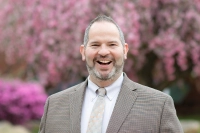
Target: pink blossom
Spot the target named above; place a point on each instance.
(21, 101)
(163, 37)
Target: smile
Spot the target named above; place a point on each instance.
(103, 62)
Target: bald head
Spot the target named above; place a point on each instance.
(103, 18)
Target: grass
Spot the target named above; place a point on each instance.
(189, 117)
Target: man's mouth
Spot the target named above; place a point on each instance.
(104, 62)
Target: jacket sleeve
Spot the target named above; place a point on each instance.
(169, 120)
(44, 117)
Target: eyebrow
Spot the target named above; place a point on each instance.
(94, 42)
(112, 42)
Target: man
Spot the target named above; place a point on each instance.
(120, 105)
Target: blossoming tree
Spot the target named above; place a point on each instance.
(163, 36)
(170, 37)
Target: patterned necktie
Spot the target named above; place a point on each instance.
(96, 117)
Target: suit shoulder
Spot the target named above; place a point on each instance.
(152, 96)
(66, 92)
(143, 90)
(151, 91)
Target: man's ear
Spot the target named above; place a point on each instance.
(82, 51)
(126, 48)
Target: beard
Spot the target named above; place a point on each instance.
(116, 70)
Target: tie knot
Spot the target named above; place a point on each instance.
(101, 92)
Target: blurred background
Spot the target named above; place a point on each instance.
(39, 53)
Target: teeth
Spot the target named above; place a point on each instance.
(104, 61)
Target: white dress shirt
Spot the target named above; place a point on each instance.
(112, 92)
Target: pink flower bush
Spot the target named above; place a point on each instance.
(21, 101)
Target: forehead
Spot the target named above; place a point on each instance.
(103, 29)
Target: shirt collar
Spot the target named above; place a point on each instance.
(111, 90)
(92, 87)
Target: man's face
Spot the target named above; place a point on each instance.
(104, 54)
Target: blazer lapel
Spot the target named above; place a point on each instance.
(76, 101)
(124, 103)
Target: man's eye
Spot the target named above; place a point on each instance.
(94, 45)
(112, 44)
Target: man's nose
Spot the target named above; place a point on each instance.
(103, 51)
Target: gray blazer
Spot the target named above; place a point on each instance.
(138, 109)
